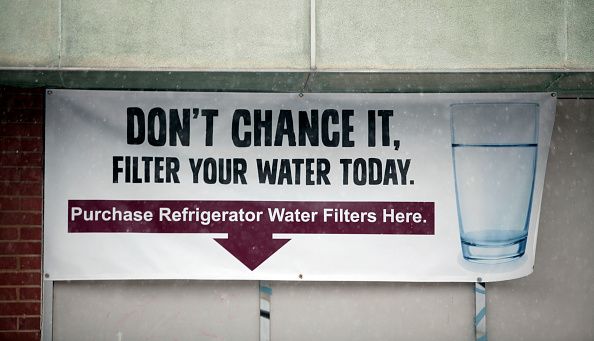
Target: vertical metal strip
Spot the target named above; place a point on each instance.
(265, 295)
(47, 310)
(480, 316)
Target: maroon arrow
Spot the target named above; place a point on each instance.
(251, 246)
(250, 224)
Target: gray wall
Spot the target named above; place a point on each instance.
(555, 303)
(275, 34)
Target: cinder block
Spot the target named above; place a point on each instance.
(580, 34)
(29, 33)
(440, 35)
(184, 34)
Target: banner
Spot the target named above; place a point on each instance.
(321, 187)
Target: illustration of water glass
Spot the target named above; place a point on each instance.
(494, 149)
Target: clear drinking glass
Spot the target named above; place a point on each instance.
(494, 149)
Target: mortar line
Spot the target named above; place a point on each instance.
(60, 35)
(565, 18)
(312, 34)
(60, 29)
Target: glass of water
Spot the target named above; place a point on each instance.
(494, 149)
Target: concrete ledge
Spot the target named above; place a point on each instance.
(564, 83)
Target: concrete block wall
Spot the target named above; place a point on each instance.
(408, 35)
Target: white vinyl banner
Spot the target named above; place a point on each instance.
(320, 187)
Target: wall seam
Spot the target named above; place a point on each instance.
(566, 22)
(312, 34)
(60, 35)
(60, 46)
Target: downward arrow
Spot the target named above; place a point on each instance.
(251, 247)
(253, 244)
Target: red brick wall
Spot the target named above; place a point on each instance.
(21, 183)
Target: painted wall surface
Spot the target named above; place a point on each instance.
(225, 34)
(554, 303)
